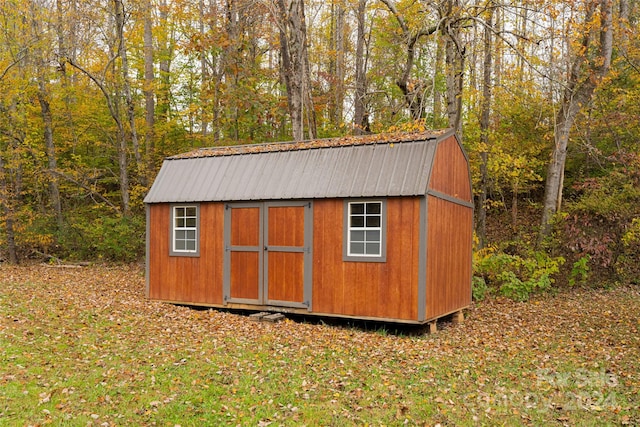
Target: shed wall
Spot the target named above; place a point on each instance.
(450, 173)
(387, 290)
(449, 245)
(196, 280)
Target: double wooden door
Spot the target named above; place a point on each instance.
(268, 254)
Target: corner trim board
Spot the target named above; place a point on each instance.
(422, 261)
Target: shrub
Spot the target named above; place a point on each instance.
(514, 276)
(110, 238)
(479, 288)
(580, 271)
(602, 223)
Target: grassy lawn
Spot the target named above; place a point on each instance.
(81, 346)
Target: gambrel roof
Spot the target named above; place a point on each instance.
(370, 166)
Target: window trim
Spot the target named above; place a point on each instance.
(346, 235)
(172, 230)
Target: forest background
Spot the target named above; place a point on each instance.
(545, 95)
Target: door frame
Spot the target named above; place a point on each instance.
(263, 249)
(228, 248)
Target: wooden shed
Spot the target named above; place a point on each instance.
(376, 227)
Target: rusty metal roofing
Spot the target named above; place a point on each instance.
(396, 165)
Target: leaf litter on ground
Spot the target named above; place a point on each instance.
(83, 346)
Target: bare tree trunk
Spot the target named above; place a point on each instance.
(498, 45)
(312, 128)
(123, 163)
(454, 60)
(66, 49)
(580, 87)
(47, 121)
(295, 71)
(336, 63)
(455, 78)
(164, 67)
(523, 16)
(40, 64)
(149, 95)
(437, 95)
(121, 140)
(204, 73)
(126, 86)
(360, 121)
(340, 64)
(485, 110)
(413, 91)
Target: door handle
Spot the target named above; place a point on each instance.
(266, 248)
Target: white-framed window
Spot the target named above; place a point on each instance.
(185, 231)
(365, 227)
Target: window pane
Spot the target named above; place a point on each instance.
(373, 221)
(185, 229)
(357, 236)
(373, 236)
(357, 221)
(374, 208)
(357, 248)
(365, 229)
(357, 208)
(373, 249)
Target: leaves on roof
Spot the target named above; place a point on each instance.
(385, 138)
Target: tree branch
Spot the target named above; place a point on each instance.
(21, 56)
(85, 187)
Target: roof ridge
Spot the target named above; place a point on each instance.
(350, 140)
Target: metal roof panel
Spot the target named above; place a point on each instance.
(368, 170)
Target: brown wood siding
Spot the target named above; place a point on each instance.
(286, 276)
(186, 279)
(285, 258)
(386, 290)
(245, 226)
(449, 240)
(245, 275)
(286, 226)
(450, 174)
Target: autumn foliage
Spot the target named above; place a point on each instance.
(94, 95)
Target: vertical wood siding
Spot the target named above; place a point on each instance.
(245, 226)
(285, 258)
(245, 275)
(449, 239)
(376, 289)
(186, 279)
(286, 226)
(286, 276)
(450, 173)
